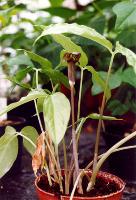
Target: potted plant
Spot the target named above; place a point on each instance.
(71, 182)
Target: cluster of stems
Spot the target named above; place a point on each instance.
(53, 171)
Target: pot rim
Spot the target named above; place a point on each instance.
(120, 183)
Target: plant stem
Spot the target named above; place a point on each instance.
(90, 164)
(71, 59)
(105, 156)
(125, 148)
(37, 113)
(59, 169)
(48, 175)
(38, 116)
(75, 154)
(51, 161)
(101, 113)
(26, 138)
(80, 93)
(52, 157)
(36, 78)
(74, 132)
(66, 168)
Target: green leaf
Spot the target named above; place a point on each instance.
(97, 116)
(130, 55)
(21, 74)
(32, 134)
(20, 60)
(117, 107)
(70, 46)
(127, 37)
(8, 150)
(59, 77)
(97, 80)
(5, 16)
(56, 76)
(31, 96)
(94, 116)
(126, 14)
(39, 59)
(40, 104)
(114, 82)
(9, 132)
(56, 3)
(56, 111)
(129, 76)
(16, 82)
(76, 29)
(98, 23)
(61, 12)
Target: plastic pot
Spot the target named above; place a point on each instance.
(43, 195)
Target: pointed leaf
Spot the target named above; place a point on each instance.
(70, 46)
(8, 150)
(56, 76)
(39, 59)
(21, 74)
(32, 134)
(31, 96)
(117, 107)
(96, 78)
(76, 29)
(130, 55)
(126, 14)
(97, 116)
(115, 81)
(128, 76)
(56, 111)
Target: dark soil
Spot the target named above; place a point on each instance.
(102, 187)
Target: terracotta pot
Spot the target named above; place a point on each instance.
(43, 195)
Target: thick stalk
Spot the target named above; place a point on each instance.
(74, 133)
(66, 168)
(71, 59)
(101, 113)
(80, 93)
(105, 156)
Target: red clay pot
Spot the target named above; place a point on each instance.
(43, 195)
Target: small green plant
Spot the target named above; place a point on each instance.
(56, 110)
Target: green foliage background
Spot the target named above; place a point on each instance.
(21, 24)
